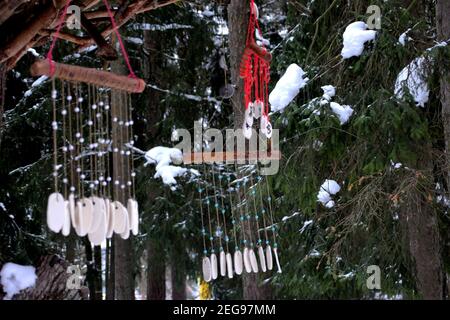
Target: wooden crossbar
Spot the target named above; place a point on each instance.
(88, 75)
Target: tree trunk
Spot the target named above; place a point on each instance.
(98, 273)
(238, 15)
(156, 270)
(110, 284)
(2, 97)
(51, 282)
(123, 249)
(178, 273)
(419, 219)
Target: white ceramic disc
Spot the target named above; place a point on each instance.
(238, 264)
(253, 260)
(110, 224)
(269, 257)
(78, 225)
(262, 259)
(56, 207)
(72, 210)
(87, 212)
(257, 109)
(206, 268)
(98, 212)
(263, 124)
(120, 219)
(229, 265)
(223, 264)
(66, 226)
(97, 236)
(133, 215)
(126, 233)
(214, 273)
(275, 252)
(247, 264)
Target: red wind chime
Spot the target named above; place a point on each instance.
(255, 70)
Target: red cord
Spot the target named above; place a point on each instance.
(55, 37)
(114, 25)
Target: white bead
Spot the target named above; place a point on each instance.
(72, 189)
(101, 103)
(71, 148)
(122, 186)
(116, 182)
(120, 123)
(54, 94)
(107, 107)
(91, 186)
(94, 106)
(78, 135)
(133, 174)
(129, 183)
(76, 109)
(83, 176)
(90, 123)
(115, 119)
(116, 150)
(104, 183)
(132, 142)
(98, 115)
(101, 178)
(55, 174)
(65, 181)
(131, 122)
(96, 182)
(80, 99)
(55, 125)
(128, 153)
(69, 98)
(64, 149)
(78, 169)
(64, 112)
(81, 140)
(122, 152)
(108, 179)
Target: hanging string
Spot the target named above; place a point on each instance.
(64, 138)
(211, 237)
(205, 251)
(216, 206)
(247, 214)
(241, 216)
(70, 142)
(263, 212)
(227, 239)
(55, 138)
(253, 191)
(233, 217)
(269, 200)
(131, 142)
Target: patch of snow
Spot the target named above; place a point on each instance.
(327, 189)
(328, 92)
(355, 36)
(162, 157)
(33, 52)
(305, 225)
(413, 78)
(15, 277)
(404, 38)
(343, 112)
(288, 87)
(135, 40)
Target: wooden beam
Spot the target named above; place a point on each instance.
(231, 157)
(104, 51)
(8, 7)
(30, 30)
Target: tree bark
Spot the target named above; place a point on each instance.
(98, 273)
(51, 282)
(156, 270)
(238, 15)
(178, 266)
(123, 249)
(110, 284)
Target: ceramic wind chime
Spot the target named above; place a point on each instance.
(92, 127)
(238, 229)
(255, 71)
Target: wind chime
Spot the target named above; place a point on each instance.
(238, 229)
(233, 244)
(92, 127)
(255, 71)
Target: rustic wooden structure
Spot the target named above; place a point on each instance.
(25, 24)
